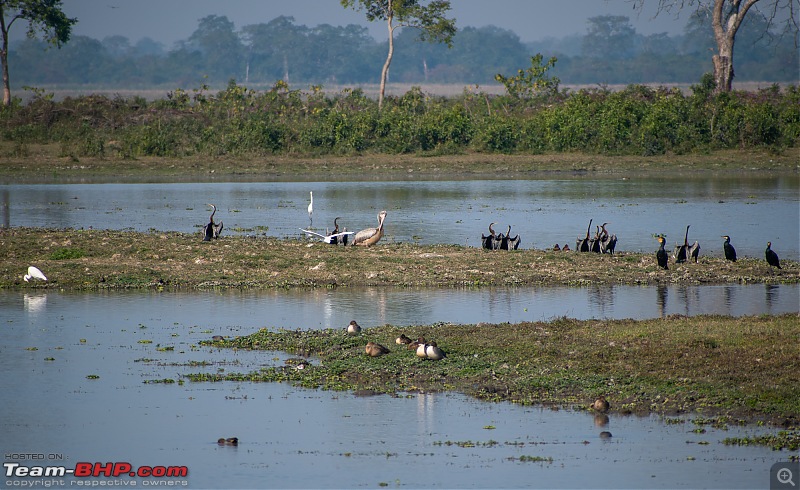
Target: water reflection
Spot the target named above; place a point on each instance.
(318, 308)
(54, 342)
(543, 212)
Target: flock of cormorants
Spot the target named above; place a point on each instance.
(602, 241)
(684, 252)
(501, 241)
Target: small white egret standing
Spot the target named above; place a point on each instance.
(311, 209)
(34, 273)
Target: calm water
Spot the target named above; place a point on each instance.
(296, 438)
(317, 309)
(543, 212)
(55, 342)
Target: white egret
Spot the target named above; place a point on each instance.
(311, 209)
(34, 273)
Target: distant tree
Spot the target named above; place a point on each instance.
(117, 46)
(274, 47)
(43, 16)
(148, 47)
(220, 46)
(531, 81)
(429, 19)
(726, 19)
(609, 37)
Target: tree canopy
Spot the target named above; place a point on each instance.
(44, 17)
(429, 19)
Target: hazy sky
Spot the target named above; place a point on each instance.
(167, 21)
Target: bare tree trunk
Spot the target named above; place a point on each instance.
(725, 34)
(6, 81)
(4, 63)
(385, 71)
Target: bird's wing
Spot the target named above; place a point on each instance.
(337, 235)
(365, 235)
(313, 233)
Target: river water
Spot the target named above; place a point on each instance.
(78, 367)
(751, 210)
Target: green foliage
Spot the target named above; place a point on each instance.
(638, 120)
(531, 81)
(43, 17)
(67, 253)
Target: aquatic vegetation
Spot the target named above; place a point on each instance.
(785, 439)
(662, 366)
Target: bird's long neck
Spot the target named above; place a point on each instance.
(588, 229)
(381, 218)
(686, 237)
(211, 218)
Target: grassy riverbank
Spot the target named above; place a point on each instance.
(108, 259)
(46, 163)
(731, 369)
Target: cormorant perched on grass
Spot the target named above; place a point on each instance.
(730, 252)
(772, 257)
(661, 255)
(582, 244)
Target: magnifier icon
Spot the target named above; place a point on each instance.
(785, 476)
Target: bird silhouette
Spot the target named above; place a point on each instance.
(772, 257)
(730, 252)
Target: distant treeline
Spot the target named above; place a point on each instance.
(611, 52)
(242, 122)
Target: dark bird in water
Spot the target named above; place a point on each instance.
(730, 252)
(685, 252)
(212, 230)
(509, 243)
(565, 248)
(772, 257)
(488, 242)
(661, 254)
(370, 236)
(582, 244)
(607, 242)
(556, 248)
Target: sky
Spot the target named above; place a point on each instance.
(168, 21)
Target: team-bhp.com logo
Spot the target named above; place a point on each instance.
(98, 470)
